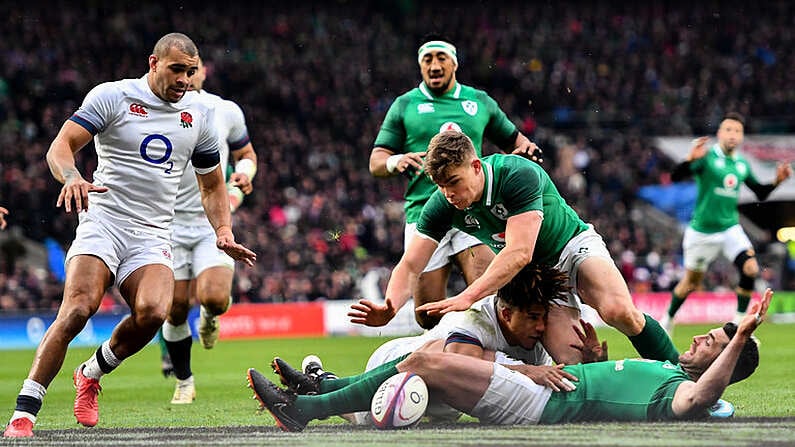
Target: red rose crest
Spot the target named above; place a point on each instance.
(186, 120)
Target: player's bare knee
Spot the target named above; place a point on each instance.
(74, 319)
(150, 316)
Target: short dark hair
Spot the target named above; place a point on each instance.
(179, 41)
(749, 356)
(447, 150)
(535, 284)
(433, 36)
(735, 116)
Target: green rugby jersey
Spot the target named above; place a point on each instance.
(513, 185)
(617, 390)
(417, 115)
(718, 178)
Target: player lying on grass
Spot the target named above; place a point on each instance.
(509, 325)
(623, 390)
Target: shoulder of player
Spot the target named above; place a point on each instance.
(469, 92)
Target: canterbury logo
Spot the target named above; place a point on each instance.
(138, 109)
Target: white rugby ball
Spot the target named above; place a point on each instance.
(400, 402)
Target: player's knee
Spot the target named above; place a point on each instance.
(74, 319)
(150, 316)
(622, 316)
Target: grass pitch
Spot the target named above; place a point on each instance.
(135, 408)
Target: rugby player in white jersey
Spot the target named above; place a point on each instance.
(505, 328)
(200, 268)
(145, 131)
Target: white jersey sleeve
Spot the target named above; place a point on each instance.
(143, 146)
(230, 124)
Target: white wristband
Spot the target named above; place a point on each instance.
(246, 166)
(392, 162)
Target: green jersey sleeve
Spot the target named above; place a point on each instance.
(522, 189)
(392, 134)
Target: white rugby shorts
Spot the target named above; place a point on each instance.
(511, 399)
(123, 246)
(195, 249)
(700, 249)
(454, 242)
(581, 247)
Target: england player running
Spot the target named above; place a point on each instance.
(619, 390)
(200, 268)
(512, 205)
(145, 131)
(715, 228)
(439, 103)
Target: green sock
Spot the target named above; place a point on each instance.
(676, 303)
(329, 385)
(356, 396)
(742, 303)
(162, 342)
(653, 343)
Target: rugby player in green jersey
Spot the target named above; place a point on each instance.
(510, 204)
(715, 227)
(440, 103)
(619, 390)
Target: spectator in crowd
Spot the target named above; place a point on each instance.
(605, 76)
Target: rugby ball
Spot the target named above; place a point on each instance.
(399, 402)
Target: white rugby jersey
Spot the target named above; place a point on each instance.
(143, 146)
(481, 323)
(230, 123)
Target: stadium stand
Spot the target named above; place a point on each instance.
(590, 82)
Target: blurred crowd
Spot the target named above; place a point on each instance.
(590, 82)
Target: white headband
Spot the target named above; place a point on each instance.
(437, 45)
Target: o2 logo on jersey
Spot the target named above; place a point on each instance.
(147, 151)
(449, 126)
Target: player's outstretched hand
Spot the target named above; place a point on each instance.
(783, 172)
(553, 377)
(3, 213)
(373, 314)
(592, 350)
(76, 190)
(241, 181)
(238, 252)
(699, 148)
(756, 314)
(442, 307)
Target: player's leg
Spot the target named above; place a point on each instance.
(178, 339)
(214, 291)
(738, 248)
(559, 339)
(431, 287)
(214, 271)
(699, 250)
(690, 282)
(599, 283)
(149, 291)
(87, 277)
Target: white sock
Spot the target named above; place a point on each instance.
(176, 333)
(91, 367)
(33, 389)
